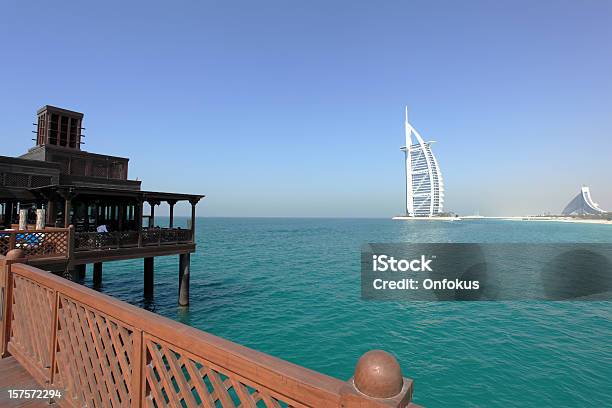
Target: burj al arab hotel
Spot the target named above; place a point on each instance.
(424, 185)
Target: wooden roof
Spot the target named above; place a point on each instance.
(158, 196)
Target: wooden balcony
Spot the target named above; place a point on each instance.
(102, 352)
(57, 245)
(91, 247)
(65, 251)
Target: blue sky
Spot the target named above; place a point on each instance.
(286, 108)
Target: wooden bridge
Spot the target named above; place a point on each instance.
(102, 352)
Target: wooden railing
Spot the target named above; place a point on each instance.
(102, 352)
(45, 243)
(86, 241)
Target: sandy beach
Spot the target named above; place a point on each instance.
(560, 219)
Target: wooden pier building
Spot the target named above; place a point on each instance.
(68, 207)
(100, 352)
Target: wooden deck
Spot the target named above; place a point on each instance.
(104, 353)
(15, 377)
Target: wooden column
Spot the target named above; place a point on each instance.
(113, 216)
(71, 237)
(152, 219)
(97, 274)
(67, 207)
(51, 213)
(138, 217)
(12, 212)
(8, 208)
(6, 284)
(82, 270)
(121, 216)
(193, 219)
(184, 266)
(7, 298)
(96, 206)
(171, 204)
(148, 277)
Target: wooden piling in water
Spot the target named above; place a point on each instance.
(81, 271)
(184, 266)
(97, 274)
(148, 277)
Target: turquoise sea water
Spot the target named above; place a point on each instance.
(291, 288)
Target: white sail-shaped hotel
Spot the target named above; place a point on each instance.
(424, 184)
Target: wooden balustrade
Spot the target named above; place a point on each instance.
(102, 352)
(85, 241)
(44, 243)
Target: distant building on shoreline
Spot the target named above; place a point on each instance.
(424, 184)
(582, 204)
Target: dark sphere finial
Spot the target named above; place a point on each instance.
(378, 375)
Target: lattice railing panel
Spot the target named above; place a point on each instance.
(32, 320)
(121, 239)
(94, 356)
(95, 240)
(42, 244)
(176, 379)
(150, 236)
(5, 242)
(127, 238)
(171, 235)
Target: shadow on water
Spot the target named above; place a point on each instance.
(577, 273)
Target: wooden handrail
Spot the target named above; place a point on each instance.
(46, 229)
(159, 352)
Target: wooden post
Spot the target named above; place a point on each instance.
(113, 216)
(6, 310)
(5, 304)
(6, 216)
(148, 277)
(121, 216)
(97, 274)
(152, 219)
(12, 240)
(70, 242)
(139, 222)
(82, 270)
(13, 256)
(193, 219)
(51, 212)
(13, 212)
(67, 207)
(184, 266)
(171, 204)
